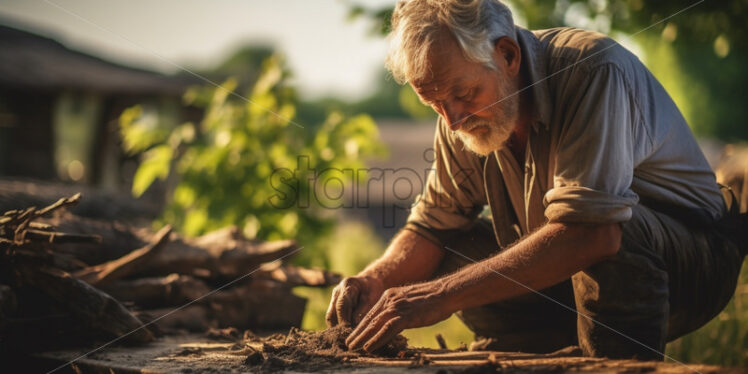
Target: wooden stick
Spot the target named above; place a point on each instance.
(125, 265)
(440, 340)
(64, 202)
(61, 237)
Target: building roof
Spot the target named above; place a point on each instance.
(31, 61)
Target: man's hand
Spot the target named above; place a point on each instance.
(409, 258)
(352, 299)
(400, 308)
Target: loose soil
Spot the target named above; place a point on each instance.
(313, 350)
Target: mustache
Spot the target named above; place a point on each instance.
(472, 123)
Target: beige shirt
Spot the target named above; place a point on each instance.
(605, 136)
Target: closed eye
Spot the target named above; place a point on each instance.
(465, 96)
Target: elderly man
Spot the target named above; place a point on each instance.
(607, 228)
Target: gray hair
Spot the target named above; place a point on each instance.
(475, 24)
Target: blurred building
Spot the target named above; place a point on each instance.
(385, 198)
(59, 110)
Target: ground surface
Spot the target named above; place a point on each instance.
(305, 352)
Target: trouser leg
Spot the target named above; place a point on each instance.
(667, 279)
(527, 323)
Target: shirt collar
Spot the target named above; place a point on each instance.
(534, 62)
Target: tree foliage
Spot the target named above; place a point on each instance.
(247, 162)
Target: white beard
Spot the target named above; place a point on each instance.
(504, 118)
(484, 144)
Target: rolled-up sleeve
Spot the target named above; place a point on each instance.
(454, 193)
(595, 159)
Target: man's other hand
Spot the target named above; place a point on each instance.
(352, 299)
(398, 309)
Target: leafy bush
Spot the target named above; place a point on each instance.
(248, 163)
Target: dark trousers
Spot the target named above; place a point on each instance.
(667, 279)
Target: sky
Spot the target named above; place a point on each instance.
(328, 54)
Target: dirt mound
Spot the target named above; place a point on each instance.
(313, 350)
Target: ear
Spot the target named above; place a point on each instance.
(506, 54)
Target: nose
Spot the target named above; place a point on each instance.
(454, 116)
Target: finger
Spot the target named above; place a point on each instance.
(387, 333)
(357, 341)
(384, 322)
(365, 323)
(344, 304)
(331, 316)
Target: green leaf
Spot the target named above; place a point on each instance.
(140, 130)
(156, 164)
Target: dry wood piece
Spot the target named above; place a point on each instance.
(124, 266)
(156, 292)
(22, 220)
(60, 237)
(18, 226)
(94, 307)
(298, 276)
(46, 257)
(259, 304)
(117, 239)
(220, 254)
(440, 341)
(63, 202)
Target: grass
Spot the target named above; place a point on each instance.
(723, 341)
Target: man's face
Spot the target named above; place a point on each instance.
(480, 104)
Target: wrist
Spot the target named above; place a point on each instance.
(453, 292)
(377, 275)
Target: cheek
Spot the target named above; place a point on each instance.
(484, 105)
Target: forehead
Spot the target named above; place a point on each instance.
(447, 68)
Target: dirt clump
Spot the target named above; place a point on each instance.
(313, 350)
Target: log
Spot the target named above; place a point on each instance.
(256, 305)
(94, 307)
(124, 266)
(259, 304)
(157, 292)
(18, 194)
(219, 255)
(298, 276)
(42, 256)
(117, 239)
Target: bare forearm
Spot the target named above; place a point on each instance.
(548, 256)
(409, 258)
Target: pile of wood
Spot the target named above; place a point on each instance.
(67, 280)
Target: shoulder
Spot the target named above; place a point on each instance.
(586, 49)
